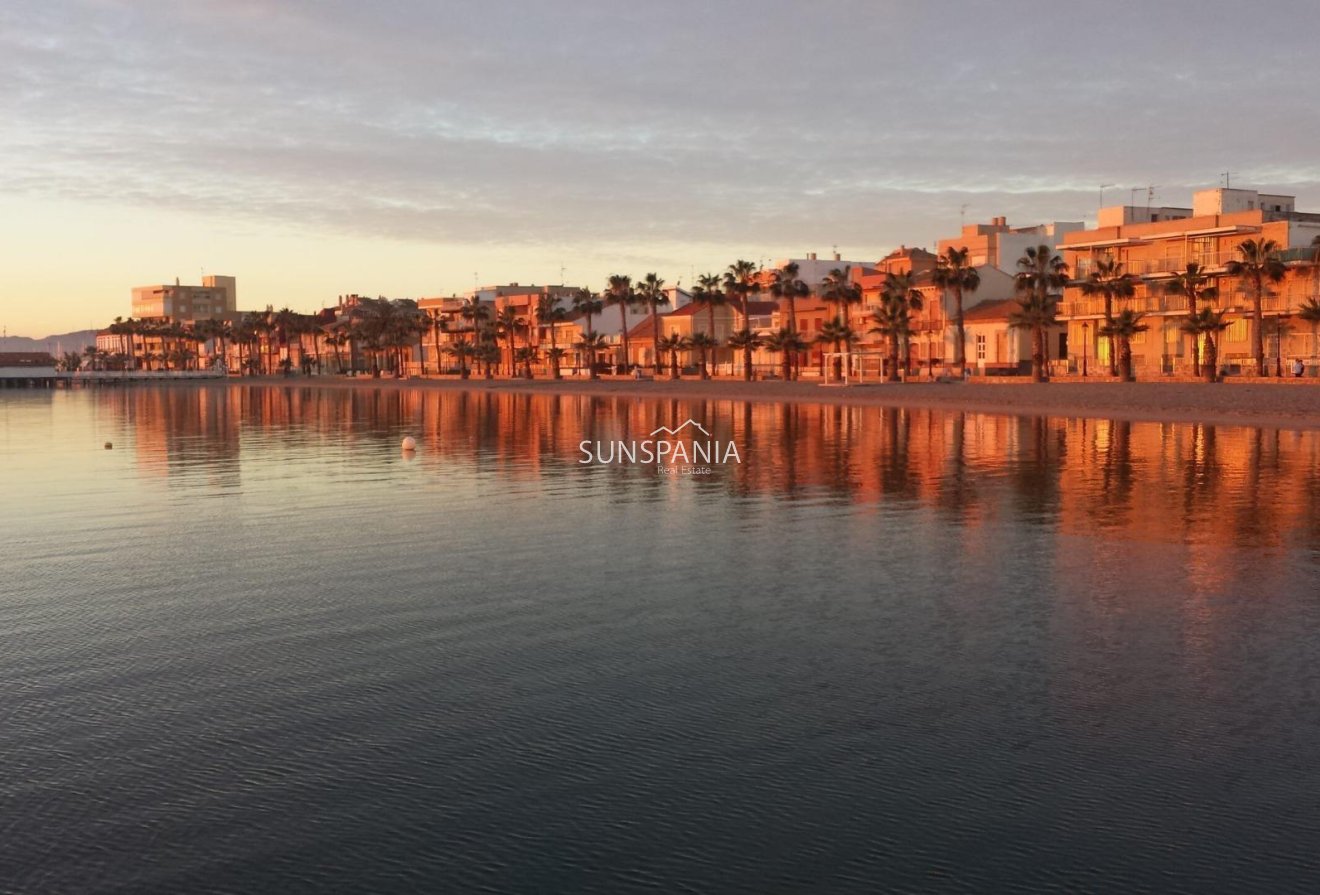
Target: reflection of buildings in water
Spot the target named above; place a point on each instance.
(1158, 482)
(176, 430)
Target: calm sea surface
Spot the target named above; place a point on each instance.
(254, 648)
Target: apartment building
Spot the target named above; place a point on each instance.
(1155, 245)
(215, 299)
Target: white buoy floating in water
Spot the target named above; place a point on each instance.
(409, 444)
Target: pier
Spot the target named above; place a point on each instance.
(49, 377)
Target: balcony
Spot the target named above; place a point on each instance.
(1209, 261)
(1237, 300)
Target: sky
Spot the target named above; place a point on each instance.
(313, 148)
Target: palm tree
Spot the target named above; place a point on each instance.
(1310, 312)
(463, 352)
(740, 284)
(787, 287)
(591, 343)
(891, 320)
(900, 290)
(506, 325)
(1122, 328)
(588, 304)
(336, 337)
(788, 344)
(619, 291)
(709, 295)
(550, 313)
(439, 324)
(525, 355)
(839, 289)
(554, 356)
(1108, 280)
(651, 295)
(1037, 313)
(1259, 262)
(1204, 324)
(746, 341)
(1040, 278)
(954, 273)
(704, 344)
(837, 333)
(476, 314)
(674, 343)
(1197, 286)
(488, 354)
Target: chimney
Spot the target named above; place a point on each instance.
(811, 256)
(838, 257)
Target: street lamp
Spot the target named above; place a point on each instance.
(1086, 344)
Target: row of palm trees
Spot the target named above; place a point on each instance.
(377, 333)
(1257, 266)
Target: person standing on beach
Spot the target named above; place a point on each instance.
(1298, 367)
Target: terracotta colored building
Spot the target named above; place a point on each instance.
(1155, 245)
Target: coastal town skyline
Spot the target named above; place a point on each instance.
(483, 152)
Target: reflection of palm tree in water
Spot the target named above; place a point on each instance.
(1115, 497)
(1037, 479)
(894, 478)
(1199, 477)
(956, 490)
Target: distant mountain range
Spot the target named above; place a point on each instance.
(74, 341)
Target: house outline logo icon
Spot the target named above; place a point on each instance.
(678, 429)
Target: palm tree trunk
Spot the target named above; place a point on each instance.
(655, 337)
(623, 334)
(1109, 318)
(1196, 339)
(1037, 354)
(747, 362)
(1211, 358)
(1258, 328)
(960, 348)
(892, 372)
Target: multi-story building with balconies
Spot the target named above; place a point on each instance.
(1155, 245)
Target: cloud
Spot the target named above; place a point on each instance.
(620, 127)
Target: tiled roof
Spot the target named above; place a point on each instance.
(990, 311)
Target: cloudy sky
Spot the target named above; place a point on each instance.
(316, 147)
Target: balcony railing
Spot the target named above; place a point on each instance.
(1210, 261)
(1228, 299)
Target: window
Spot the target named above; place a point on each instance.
(1237, 331)
(980, 347)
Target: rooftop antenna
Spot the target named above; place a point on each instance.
(1228, 179)
(1132, 196)
(1150, 195)
(561, 273)
(962, 215)
(1103, 187)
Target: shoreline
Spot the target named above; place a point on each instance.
(1273, 406)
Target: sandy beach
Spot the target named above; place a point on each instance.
(1282, 404)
